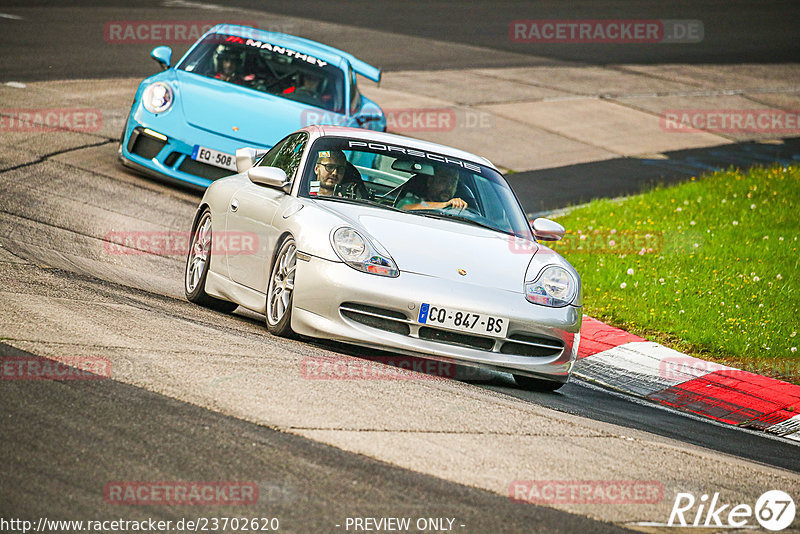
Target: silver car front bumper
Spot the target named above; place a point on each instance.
(334, 301)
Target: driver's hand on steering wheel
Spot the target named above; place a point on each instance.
(455, 203)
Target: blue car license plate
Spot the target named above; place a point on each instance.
(214, 157)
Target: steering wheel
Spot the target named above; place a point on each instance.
(276, 81)
(470, 213)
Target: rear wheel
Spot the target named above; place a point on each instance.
(198, 262)
(537, 384)
(281, 289)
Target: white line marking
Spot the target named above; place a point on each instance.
(787, 428)
(653, 524)
(191, 5)
(8, 16)
(18, 85)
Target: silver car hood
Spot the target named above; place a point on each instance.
(439, 248)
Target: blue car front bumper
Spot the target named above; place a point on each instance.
(162, 145)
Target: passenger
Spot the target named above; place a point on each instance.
(309, 86)
(436, 193)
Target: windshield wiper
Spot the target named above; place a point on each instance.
(458, 218)
(342, 199)
(362, 201)
(424, 213)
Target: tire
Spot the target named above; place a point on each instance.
(122, 135)
(122, 141)
(537, 384)
(198, 261)
(280, 291)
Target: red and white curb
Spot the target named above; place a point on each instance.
(625, 362)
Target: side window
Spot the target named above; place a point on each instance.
(355, 95)
(290, 153)
(270, 156)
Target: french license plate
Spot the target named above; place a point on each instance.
(214, 157)
(452, 319)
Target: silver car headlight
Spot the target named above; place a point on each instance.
(361, 254)
(157, 97)
(554, 287)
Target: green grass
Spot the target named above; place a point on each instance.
(708, 267)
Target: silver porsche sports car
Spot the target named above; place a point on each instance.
(388, 242)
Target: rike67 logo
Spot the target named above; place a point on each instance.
(774, 510)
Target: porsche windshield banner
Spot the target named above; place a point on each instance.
(276, 49)
(416, 153)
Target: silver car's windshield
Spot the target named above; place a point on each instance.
(421, 183)
(268, 68)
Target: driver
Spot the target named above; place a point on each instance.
(329, 170)
(438, 192)
(229, 65)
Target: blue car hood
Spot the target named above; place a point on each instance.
(249, 117)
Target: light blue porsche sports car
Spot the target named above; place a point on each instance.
(239, 87)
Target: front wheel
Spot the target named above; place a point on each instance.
(537, 384)
(122, 137)
(281, 289)
(198, 262)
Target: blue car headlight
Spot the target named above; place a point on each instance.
(158, 97)
(554, 287)
(361, 254)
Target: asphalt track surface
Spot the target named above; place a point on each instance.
(90, 432)
(738, 31)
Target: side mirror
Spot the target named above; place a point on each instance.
(246, 158)
(269, 176)
(366, 119)
(162, 54)
(547, 230)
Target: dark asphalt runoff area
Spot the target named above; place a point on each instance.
(738, 31)
(558, 187)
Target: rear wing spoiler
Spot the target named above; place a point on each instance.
(364, 69)
(361, 67)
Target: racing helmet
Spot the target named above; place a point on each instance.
(224, 53)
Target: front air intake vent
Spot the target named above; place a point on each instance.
(375, 317)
